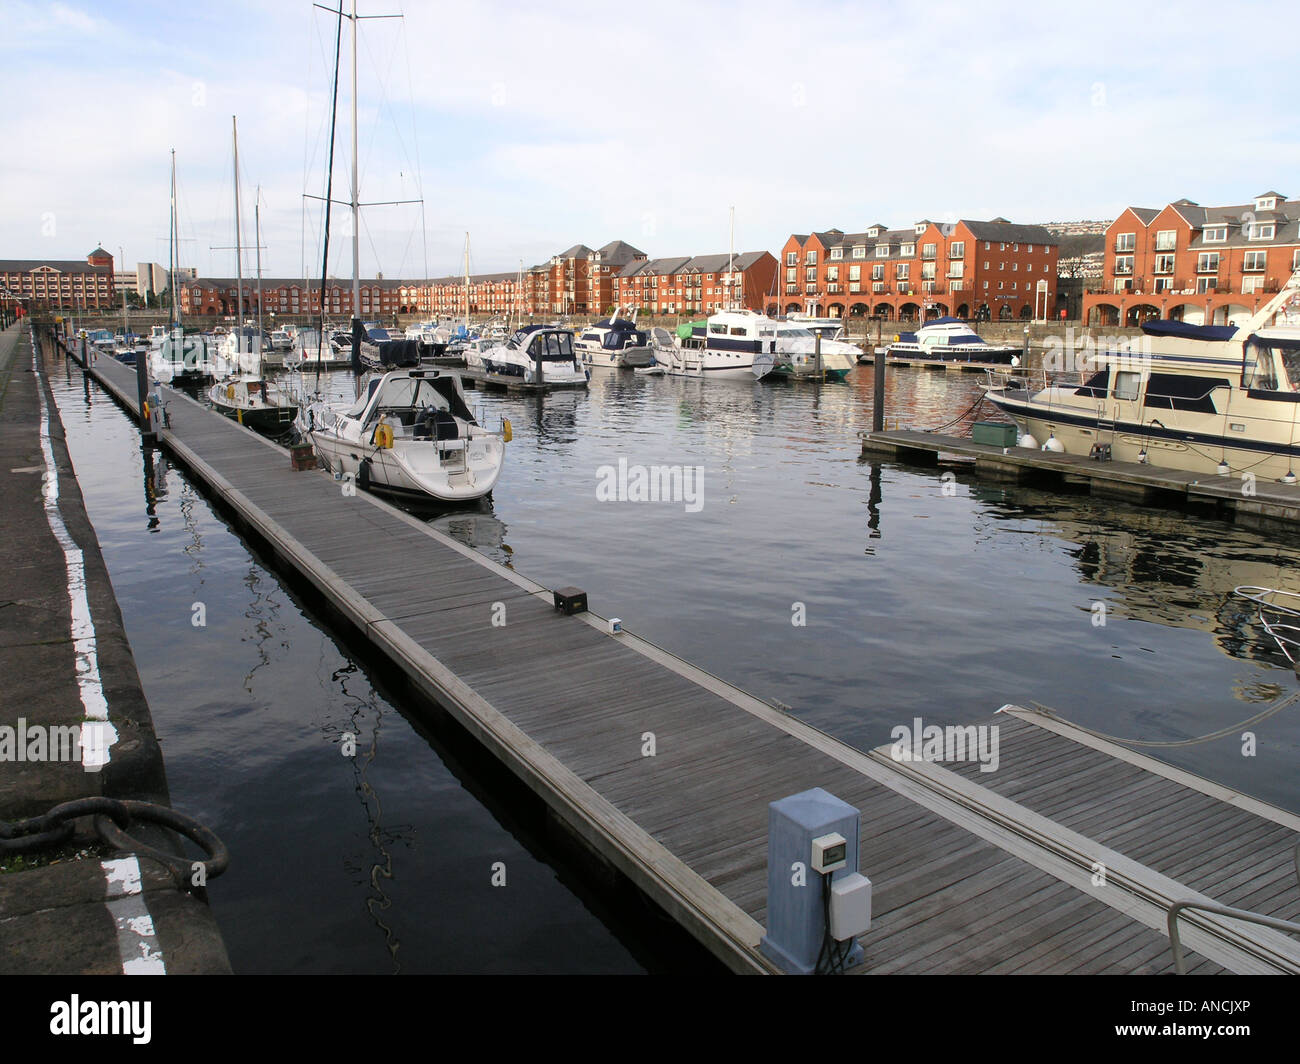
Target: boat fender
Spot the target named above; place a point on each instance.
(507, 431)
(363, 474)
(230, 391)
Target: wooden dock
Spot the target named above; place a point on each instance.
(868, 358)
(1265, 504)
(972, 871)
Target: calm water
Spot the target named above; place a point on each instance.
(917, 603)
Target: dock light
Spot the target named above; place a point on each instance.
(817, 901)
(1222, 468)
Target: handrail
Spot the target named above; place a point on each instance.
(1180, 965)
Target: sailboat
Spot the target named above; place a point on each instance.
(249, 397)
(173, 356)
(410, 431)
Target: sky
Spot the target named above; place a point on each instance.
(533, 127)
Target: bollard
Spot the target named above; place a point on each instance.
(878, 394)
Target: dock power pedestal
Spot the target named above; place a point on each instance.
(817, 900)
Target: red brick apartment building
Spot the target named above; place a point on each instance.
(59, 284)
(1195, 264)
(220, 296)
(994, 270)
(700, 284)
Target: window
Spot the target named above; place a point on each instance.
(928, 251)
(1205, 284)
(1030, 248)
(1254, 261)
(1166, 239)
(1260, 231)
(927, 271)
(810, 258)
(1174, 391)
(986, 264)
(882, 251)
(1123, 265)
(837, 253)
(792, 258)
(957, 249)
(1251, 285)
(901, 271)
(1214, 234)
(1266, 203)
(1126, 385)
(878, 272)
(907, 250)
(855, 272)
(1207, 262)
(1126, 242)
(1164, 264)
(859, 251)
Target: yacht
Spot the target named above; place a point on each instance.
(540, 355)
(796, 352)
(1213, 399)
(255, 401)
(614, 343)
(409, 433)
(948, 340)
(729, 344)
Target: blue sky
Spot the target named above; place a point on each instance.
(534, 127)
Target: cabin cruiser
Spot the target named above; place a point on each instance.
(731, 343)
(948, 340)
(614, 343)
(539, 355)
(410, 433)
(797, 350)
(1216, 399)
(475, 350)
(281, 340)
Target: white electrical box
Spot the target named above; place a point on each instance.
(850, 906)
(830, 852)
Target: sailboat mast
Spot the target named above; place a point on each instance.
(171, 250)
(731, 264)
(257, 236)
(356, 210)
(239, 256)
(126, 318)
(467, 281)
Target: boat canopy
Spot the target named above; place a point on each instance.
(1163, 327)
(400, 352)
(688, 329)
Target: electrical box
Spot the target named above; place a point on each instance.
(830, 852)
(812, 837)
(570, 600)
(850, 906)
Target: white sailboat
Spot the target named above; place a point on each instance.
(245, 394)
(410, 431)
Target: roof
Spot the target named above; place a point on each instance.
(664, 266)
(62, 265)
(98, 252)
(1009, 231)
(289, 282)
(578, 251)
(619, 252)
(1266, 195)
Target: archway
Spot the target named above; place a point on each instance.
(963, 310)
(837, 310)
(1026, 312)
(1004, 313)
(857, 310)
(1105, 314)
(883, 311)
(770, 311)
(1136, 315)
(792, 308)
(908, 310)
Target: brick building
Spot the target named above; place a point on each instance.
(60, 284)
(219, 296)
(1195, 264)
(996, 270)
(700, 284)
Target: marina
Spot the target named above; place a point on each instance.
(611, 798)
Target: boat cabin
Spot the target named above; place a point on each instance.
(414, 404)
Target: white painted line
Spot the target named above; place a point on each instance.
(136, 940)
(97, 734)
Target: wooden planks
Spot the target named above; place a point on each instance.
(972, 872)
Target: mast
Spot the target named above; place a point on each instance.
(257, 236)
(467, 282)
(356, 211)
(126, 318)
(239, 257)
(174, 314)
(731, 264)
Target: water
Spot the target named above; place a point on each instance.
(917, 602)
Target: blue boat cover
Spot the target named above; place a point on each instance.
(1162, 327)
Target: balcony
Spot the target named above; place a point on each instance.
(834, 289)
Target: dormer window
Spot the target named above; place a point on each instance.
(907, 250)
(1215, 234)
(1260, 231)
(873, 232)
(920, 228)
(837, 253)
(1266, 203)
(882, 251)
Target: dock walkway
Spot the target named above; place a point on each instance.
(972, 872)
(1253, 503)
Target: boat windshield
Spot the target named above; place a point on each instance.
(1259, 369)
(794, 332)
(552, 347)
